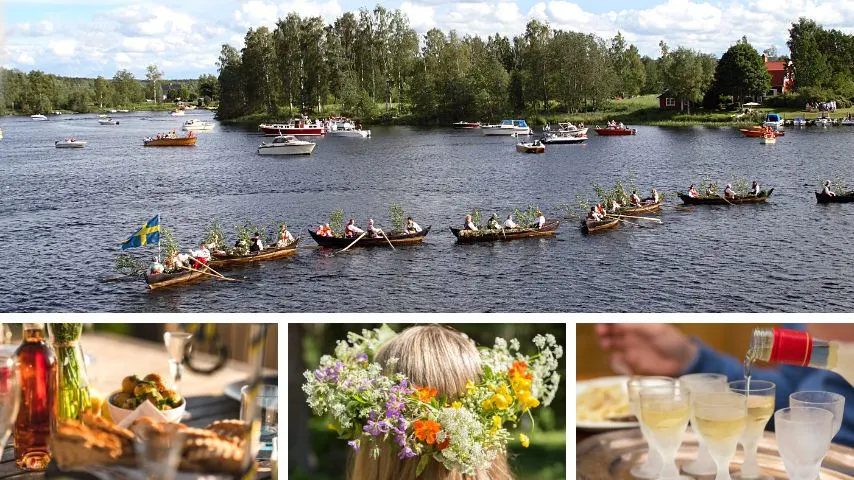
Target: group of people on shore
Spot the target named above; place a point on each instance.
(494, 223)
(729, 193)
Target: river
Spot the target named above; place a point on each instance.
(64, 212)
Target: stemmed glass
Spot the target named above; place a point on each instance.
(665, 410)
(760, 407)
(699, 383)
(10, 397)
(176, 347)
(652, 466)
(720, 418)
(832, 402)
(803, 438)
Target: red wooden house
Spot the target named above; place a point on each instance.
(667, 101)
(782, 75)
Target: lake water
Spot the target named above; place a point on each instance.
(63, 213)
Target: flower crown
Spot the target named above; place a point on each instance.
(364, 405)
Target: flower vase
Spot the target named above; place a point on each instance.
(71, 384)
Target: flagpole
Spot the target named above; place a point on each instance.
(158, 239)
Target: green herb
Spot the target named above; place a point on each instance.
(336, 221)
(73, 387)
(397, 217)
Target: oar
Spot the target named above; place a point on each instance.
(387, 240)
(724, 199)
(630, 223)
(354, 242)
(209, 268)
(220, 276)
(639, 218)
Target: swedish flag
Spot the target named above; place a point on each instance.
(149, 233)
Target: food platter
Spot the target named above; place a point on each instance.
(584, 386)
(611, 455)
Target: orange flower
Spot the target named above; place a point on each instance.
(425, 394)
(444, 444)
(426, 430)
(519, 369)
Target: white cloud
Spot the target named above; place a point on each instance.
(25, 58)
(420, 16)
(62, 48)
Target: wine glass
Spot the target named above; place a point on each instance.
(665, 410)
(699, 383)
(760, 406)
(10, 397)
(803, 438)
(832, 402)
(176, 347)
(652, 466)
(720, 417)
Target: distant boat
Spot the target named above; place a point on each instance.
(170, 141)
(69, 143)
(38, 117)
(465, 125)
(1, 133)
(197, 125)
(774, 120)
(286, 145)
(124, 111)
(108, 121)
(507, 127)
(176, 113)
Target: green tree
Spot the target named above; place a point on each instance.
(126, 88)
(208, 88)
(102, 91)
(811, 68)
(257, 59)
(741, 72)
(231, 84)
(686, 76)
(153, 75)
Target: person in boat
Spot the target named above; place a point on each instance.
(285, 237)
(468, 224)
(540, 221)
(351, 230)
(635, 198)
(728, 192)
(653, 197)
(493, 223)
(711, 191)
(509, 223)
(594, 215)
(692, 192)
(200, 256)
(255, 243)
(827, 191)
(754, 189)
(615, 205)
(621, 126)
(373, 231)
(411, 226)
(156, 268)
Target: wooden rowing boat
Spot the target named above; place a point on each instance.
(188, 141)
(846, 197)
(644, 208)
(160, 280)
(720, 200)
(223, 259)
(471, 236)
(396, 238)
(594, 226)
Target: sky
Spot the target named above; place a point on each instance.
(88, 38)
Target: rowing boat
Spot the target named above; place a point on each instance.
(168, 279)
(224, 259)
(846, 197)
(396, 238)
(594, 226)
(472, 236)
(643, 208)
(720, 200)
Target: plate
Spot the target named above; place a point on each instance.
(583, 385)
(232, 390)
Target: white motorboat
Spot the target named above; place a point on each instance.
(507, 127)
(768, 139)
(286, 145)
(566, 127)
(177, 113)
(773, 120)
(107, 121)
(847, 121)
(351, 132)
(197, 125)
(824, 121)
(564, 137)
(69, 143)
(124, 111)
(38, 117)
(1, 133)
(799, 122)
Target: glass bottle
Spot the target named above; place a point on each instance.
(794, 347)
(71, 387)
(37, 367)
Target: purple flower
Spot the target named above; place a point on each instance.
(402, 388)
(329, 373)
(405, 452)
(354, 444)
(375, 428)
(362, 357)
(394, 406)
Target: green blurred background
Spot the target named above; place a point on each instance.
(316, 453)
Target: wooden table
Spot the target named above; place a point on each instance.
(115, 357)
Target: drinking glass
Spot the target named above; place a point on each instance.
(832, 402)
(158, 450)
(720, 418)
(652, 465)
(760, 406)
(665, 410)
(699, 383)
(176, 347)
(10, 397)
(267, 402)
(803, 438)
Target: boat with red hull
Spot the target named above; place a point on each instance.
(615, 131)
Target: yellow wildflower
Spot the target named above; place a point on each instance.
(527, 401)
(524, 439)
(457, 404)
(496, 422)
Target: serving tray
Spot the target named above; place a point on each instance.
(611, 455)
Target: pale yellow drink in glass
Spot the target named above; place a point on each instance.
(665, 412)
(760, 408)
(721, 419)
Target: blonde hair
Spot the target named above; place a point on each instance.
(442, 358)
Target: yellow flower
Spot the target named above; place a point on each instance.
(470, 386)
(524, 439)
(457, 404)
(527, 401)
(487, 404)
(496, 422)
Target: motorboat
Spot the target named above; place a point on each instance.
(465, 125)
(824, 121)
(758, 131)
(507, 127)
(197, 125)
(531, 147)
(338, 123)
(566, 127)
(768, 139)
(351, 132)
(773, 120)
(107, 121)
(847, 121)
(294, 127)
(124, 111)
(38, 117)
(799, 122)
(178, 112)
(611, 131)
(69, 143)
(286, 145)
(170, 140)
(564, 137)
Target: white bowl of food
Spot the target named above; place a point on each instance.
(148, 393)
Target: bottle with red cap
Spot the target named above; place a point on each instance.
(793, 347)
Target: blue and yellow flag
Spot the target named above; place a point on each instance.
(149, 233)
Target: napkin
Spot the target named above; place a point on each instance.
(146, 409)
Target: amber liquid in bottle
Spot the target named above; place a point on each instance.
(37, 366)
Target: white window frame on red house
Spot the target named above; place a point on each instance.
(669, 102)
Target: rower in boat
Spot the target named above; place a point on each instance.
(635, 198)
(373, 231)
(494, 223)
(156, 267)
(600, 209)
(827, 191)
(285, 237)
(469, 225)
(728, 192)
(594, 215)
(255, 243)
(541, 220)
(509, 223)
(754, 190)
(351, 230)
(324, 231)
(177, 261)
(711, 191)
(201, 256)
(653, 198)
(411, 226)
(615, 205)
(692, 192)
